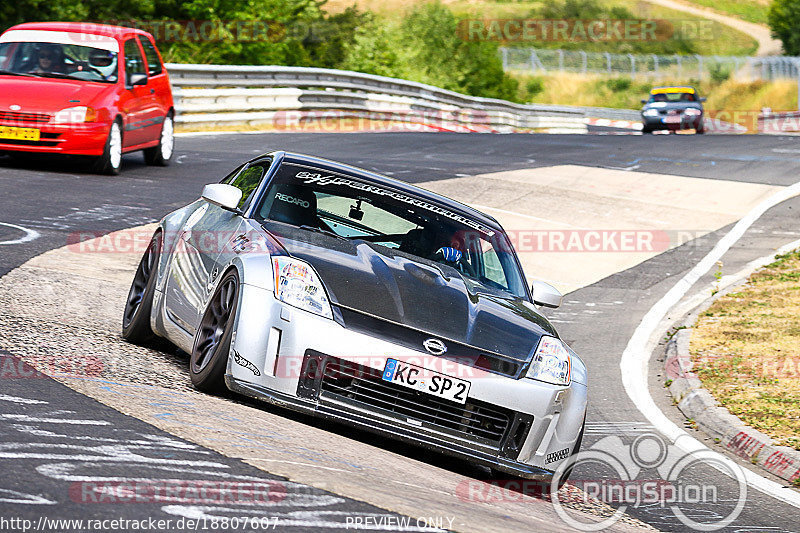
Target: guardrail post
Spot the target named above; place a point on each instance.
(560, 60)
(504, 54)
(797, 74)
(699, 66)
(680, 65)
(633, 65)
(584, 62)
(655, 65)
(608, 62)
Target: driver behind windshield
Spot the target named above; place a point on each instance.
(49, 58)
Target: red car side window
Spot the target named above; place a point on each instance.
(154, 67)
(134, 62)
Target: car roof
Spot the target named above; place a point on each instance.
(292, 157)
(673, 89)
(91, 28)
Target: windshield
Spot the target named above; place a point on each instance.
(673, 97)
(350, 207)
(58, 60)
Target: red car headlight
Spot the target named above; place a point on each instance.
(75, 115)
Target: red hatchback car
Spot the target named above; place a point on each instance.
(84, 89)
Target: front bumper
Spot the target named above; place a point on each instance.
(73, 139)
(519, 426)
(686, 123)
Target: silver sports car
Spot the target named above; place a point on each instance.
(339, 292)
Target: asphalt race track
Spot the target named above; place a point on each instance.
(44, 205)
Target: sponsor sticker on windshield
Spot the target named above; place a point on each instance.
(334, 180)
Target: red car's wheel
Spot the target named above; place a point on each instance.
(111, 160)
(162, 154)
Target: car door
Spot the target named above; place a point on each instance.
(159, 90)
(137, 102)
(203, 247)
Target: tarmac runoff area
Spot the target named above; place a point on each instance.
(557, 215)
(63, 309)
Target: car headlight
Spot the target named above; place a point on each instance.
(297, 284)
(551, 363)
(73, 115)
(650, 112)
(692, 112)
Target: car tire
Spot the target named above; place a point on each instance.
(700, 131)
(161, 155)
(111, 161)
(212, 343)
(139, 304)
(646, 130)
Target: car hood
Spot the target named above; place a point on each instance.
(415, 293)
(672, 105)
(46, 94)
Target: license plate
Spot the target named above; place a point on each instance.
(673, 119)
(427, 381)
(23, 134)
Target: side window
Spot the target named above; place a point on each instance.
(229, 178)
(134, 62)
(247, 181)
(153, 62)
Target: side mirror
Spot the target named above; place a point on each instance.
(644, 101)
(702, 98)
(545, 294)
(137, 79)
(225, 196)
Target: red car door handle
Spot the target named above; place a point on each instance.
(152, 91)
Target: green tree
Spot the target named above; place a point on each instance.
(784, 21)
(426, 47)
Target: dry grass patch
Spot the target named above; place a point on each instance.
(746, 351)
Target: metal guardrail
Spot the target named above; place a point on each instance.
(650, 65)
(771, 123)
(223, 94)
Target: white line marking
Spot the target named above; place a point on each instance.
(12, 496)
(17, 399)
(26, 418)
(636, 357)
(29, 234)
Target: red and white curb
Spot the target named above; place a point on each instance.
(728, 430)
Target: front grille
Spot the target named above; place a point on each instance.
(24, 117)
(475, 420)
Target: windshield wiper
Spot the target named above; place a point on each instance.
(12, 73)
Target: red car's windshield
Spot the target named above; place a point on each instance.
(58, 60)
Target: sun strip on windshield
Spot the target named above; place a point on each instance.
(317, 178)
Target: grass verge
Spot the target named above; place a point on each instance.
(746, 349)
(749, 10)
